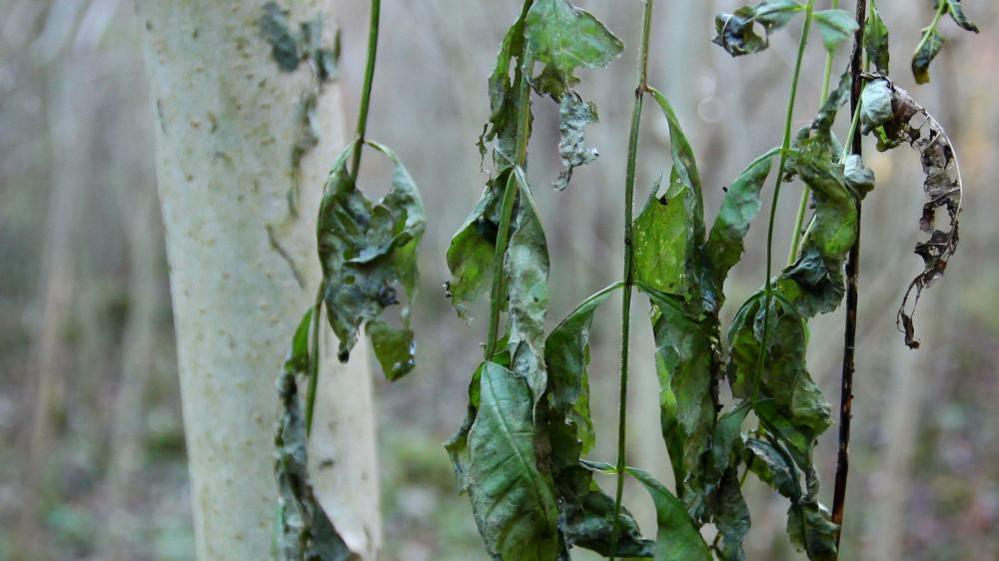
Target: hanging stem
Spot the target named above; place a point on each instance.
(369, 77)
(785, 151)
(362, 127)
(852, 297)
(629, 256)
(806, 193)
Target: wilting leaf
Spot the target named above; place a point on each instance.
(876, 40)
(587, 517)
(574, 115)
(662, 239)
(956, 12)
(731, 516)
(783, 383)
(875, 104)
(735, 33)
(686, 363)
(368, 251)
(669, 233)
(911, 124)
(738, 209)
(808, 523)
(512, 499)
(836, 27)
(503, 97)
(678, 538)
(859, 178)
(472, 250)
(304, 531)
(567, 354)
(526, 270)
(566, 38)
(928, 49)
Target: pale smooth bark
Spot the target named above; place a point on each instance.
(227, 119)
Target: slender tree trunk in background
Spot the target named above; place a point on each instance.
(127, 419)
(227, 120)
(64, 110)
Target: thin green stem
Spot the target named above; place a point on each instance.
(509, 199)
(369, 78)
(928, 31)
(806, 192)
(310, 395)
(629, 257)
(785, 151)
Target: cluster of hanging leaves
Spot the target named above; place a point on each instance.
(368, 255)
(521, 454)
(932, 41)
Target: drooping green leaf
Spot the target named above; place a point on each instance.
(731, 516)
(368, 252)
(928, 50)
(956, 11)
(512, 499)
(567, 354)
(678, 538)
(472, 250)
(574, 115)
(686, 363)
(780, 380)
(587, 513)
(876, 40)
(738, 209)
(662, 239)
(566, 38)
(836, 27)
(303, 530)
(526, 270)
(735, 33)
(809, 524)
(504, 97)
(669, 232)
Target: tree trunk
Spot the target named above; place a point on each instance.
(228, 119)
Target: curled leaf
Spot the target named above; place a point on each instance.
(303, 530)
(736, 32)
(368, 253)
(911, 124)
(574, 115)
(471, 253)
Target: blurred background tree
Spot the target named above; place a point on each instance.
(93, 450)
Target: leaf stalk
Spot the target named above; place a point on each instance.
(369, 77)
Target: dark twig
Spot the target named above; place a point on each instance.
(852, 274)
